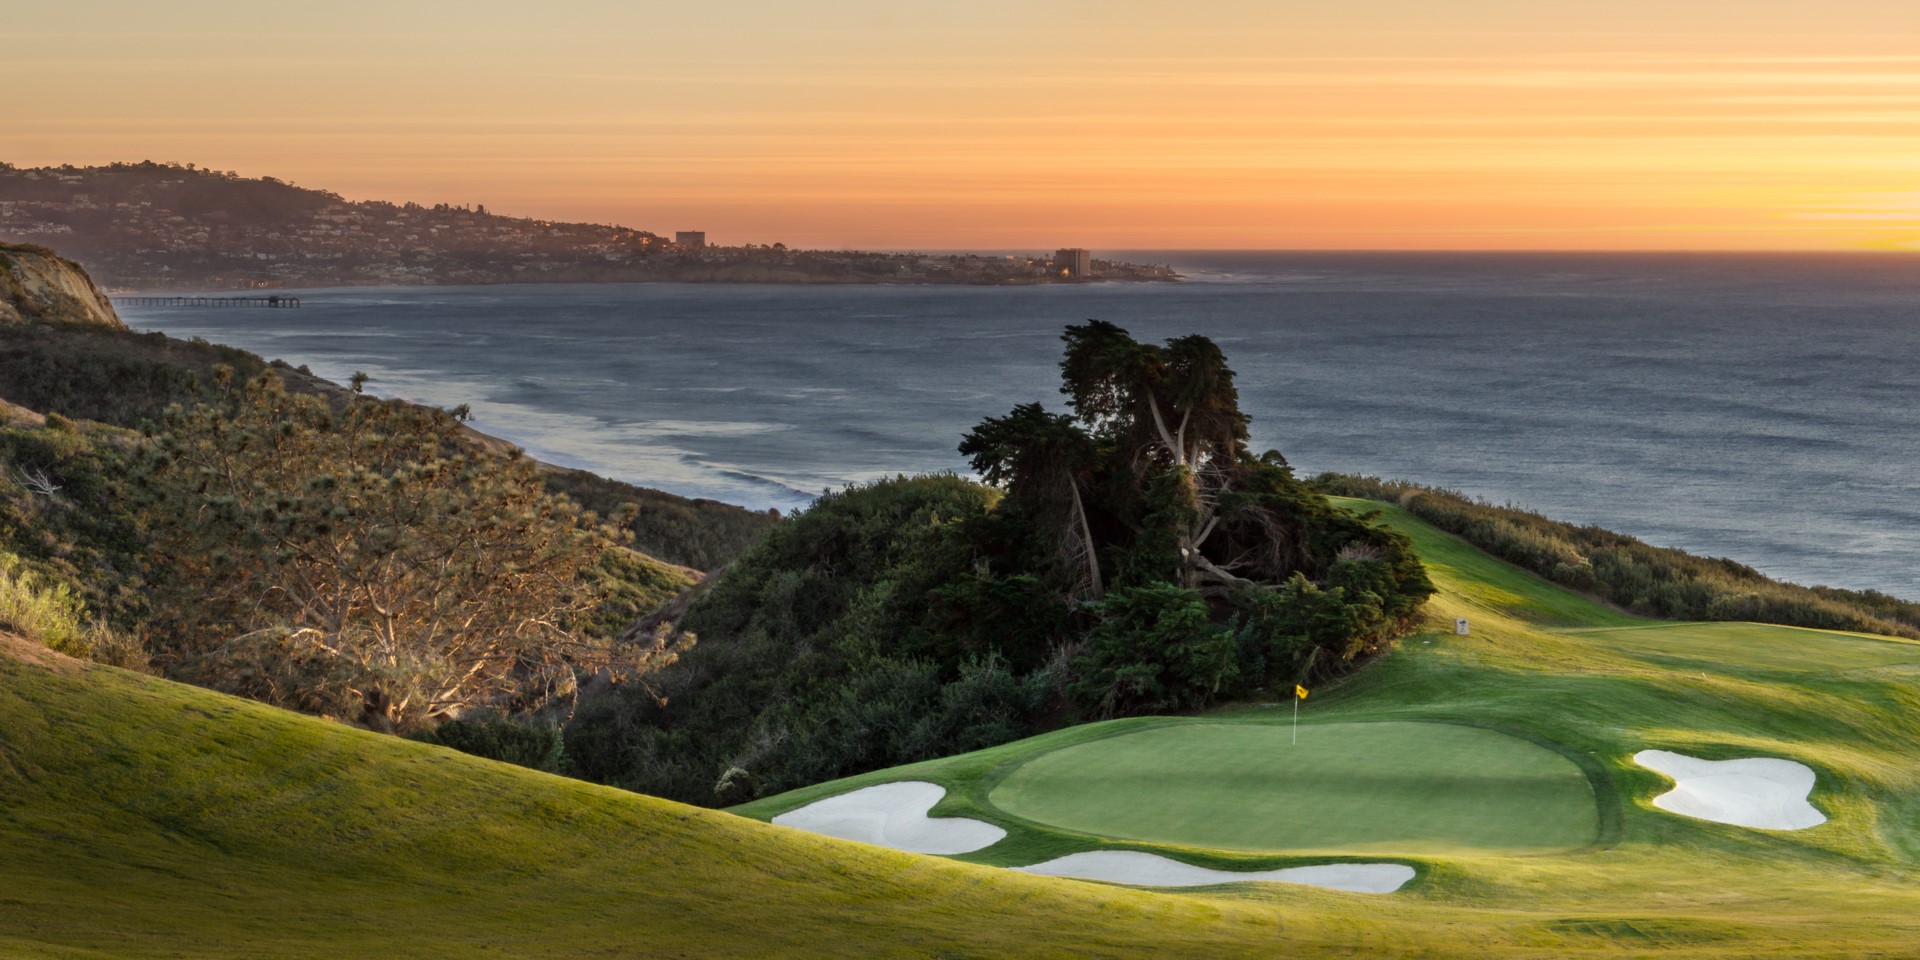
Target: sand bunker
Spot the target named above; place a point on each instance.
(893, 815)
(1760, 792)
(1150, 870)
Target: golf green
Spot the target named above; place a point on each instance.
(1376, 788)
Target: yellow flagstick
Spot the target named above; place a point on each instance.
(1299, 694)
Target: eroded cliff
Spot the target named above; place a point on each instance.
(39, 286)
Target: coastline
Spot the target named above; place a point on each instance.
(120, 290)
(1520, 379)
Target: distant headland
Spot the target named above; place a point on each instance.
(156, 226)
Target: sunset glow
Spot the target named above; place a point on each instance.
(1479, 124)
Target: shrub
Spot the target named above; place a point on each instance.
(52, 615)
(65, 514)
(535, 744)
(1155, 648)
(829, 655)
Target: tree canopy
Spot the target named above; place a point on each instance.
(1150, 478)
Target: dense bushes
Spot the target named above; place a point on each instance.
(127, 379)
(829, 655)
(1132, 557)
(535, 744)
(702, 534)
(66, 514)
(629, 585)
(362, 561)
(73, 558)
(352, 558)
(1656, 581)
(112, 376)
(1153, 648)
(52, 615)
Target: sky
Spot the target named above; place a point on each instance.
(1347, 124)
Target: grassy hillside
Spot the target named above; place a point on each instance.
(1637, 576)
(1551, 666)
(142, 818)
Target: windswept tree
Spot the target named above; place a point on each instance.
(1172, 415)
(361, 562)
(1148, 484)
(1046, 461)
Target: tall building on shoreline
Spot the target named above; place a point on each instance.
(1075, 262)
(691, 239)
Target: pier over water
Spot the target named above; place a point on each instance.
(273, 302)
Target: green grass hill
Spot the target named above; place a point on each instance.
(141, 818)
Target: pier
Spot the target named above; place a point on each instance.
(273, 302)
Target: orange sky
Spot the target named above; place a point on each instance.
(1757, 124)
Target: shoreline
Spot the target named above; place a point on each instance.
(119, 290)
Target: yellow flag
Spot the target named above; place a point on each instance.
(1299, 692)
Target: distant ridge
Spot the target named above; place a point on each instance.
(152, 226)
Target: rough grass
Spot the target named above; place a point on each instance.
(47, 613)
(51, 615)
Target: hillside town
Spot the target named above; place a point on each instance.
(155, 226)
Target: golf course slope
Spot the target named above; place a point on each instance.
(1499, 765)
(141, 818)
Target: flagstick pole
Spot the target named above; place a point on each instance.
(1296, 720)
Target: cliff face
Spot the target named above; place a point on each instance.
(39, 286)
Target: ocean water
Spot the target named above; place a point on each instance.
(1759, 407)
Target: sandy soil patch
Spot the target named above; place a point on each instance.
(894, 815)
(1151, 870)
(20, 648)
(1765, 793)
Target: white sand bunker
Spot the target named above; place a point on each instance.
(893, 815)
(1761, 792)
(1151, 870)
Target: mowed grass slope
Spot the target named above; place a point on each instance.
(141, 818)
(1342, 788)
(1595, 686)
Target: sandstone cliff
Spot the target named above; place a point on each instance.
(39, 286)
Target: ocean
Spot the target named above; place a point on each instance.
(1760, 407)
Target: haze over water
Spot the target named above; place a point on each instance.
(1760, 407)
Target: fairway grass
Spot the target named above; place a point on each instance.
(1344, 788)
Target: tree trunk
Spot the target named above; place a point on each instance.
(1086, 533)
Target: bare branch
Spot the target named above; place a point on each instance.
(36, 481)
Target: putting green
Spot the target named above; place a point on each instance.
(1391, 787)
